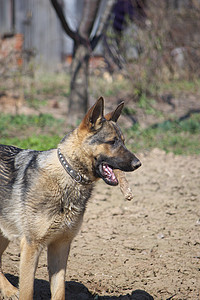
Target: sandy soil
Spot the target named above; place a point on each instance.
(148, 248)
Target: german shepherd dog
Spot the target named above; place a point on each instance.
(43, 195)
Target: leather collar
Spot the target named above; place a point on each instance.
(68, 168)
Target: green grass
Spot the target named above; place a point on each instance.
(36, 142)
(178, 87)
(44, 86)
(39, 132)
(23, 122)
(51, 83)
(147, 105)
(99, 86)
(44, 132)
(181, 138)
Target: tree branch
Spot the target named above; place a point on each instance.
(59, 11)
(102, 23)
(90, 10)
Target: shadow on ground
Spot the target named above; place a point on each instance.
(77, 291)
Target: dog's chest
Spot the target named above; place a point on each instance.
(73, 202)
(68, 219)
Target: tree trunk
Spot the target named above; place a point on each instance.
(78, 101)
(79, 84)
(84, 44)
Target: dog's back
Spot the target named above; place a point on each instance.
(7, 168)
(13, 162)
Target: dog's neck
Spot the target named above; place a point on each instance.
(68, 168)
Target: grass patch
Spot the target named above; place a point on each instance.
(108, 88)
(178, 87)
(39, 132)
(172, 136)
(146, 104)
(36, 142)
(53, 84)
(9, 123)
(44, 132)
(43, 86)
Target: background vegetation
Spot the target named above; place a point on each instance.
(160, 86)
(43, 131)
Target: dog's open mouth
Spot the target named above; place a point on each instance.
(107, 174)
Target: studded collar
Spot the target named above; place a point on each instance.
(68, 168)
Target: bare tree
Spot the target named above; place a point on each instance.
(84, 45)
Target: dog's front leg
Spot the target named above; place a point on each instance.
(58, 252)
(28, 263)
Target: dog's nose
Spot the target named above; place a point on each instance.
(136, 164)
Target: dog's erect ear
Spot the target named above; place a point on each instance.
(114, 115)
(93, 118)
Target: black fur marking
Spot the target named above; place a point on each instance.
(30, 170)
(107, 135)
(121, 163)
(8, 172)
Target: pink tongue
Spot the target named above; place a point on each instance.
(109, 172)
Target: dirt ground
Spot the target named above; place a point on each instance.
(148, 248)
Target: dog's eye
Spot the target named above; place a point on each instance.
(112, 142)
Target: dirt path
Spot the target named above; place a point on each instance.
(151, 243)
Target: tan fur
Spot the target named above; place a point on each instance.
(8, 290)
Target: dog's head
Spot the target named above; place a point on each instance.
(103, 143)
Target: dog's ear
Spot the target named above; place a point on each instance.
(114, 115)
(93, 118)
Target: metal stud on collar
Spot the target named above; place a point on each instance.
(75, 175)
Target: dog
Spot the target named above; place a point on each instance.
(43, 195)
